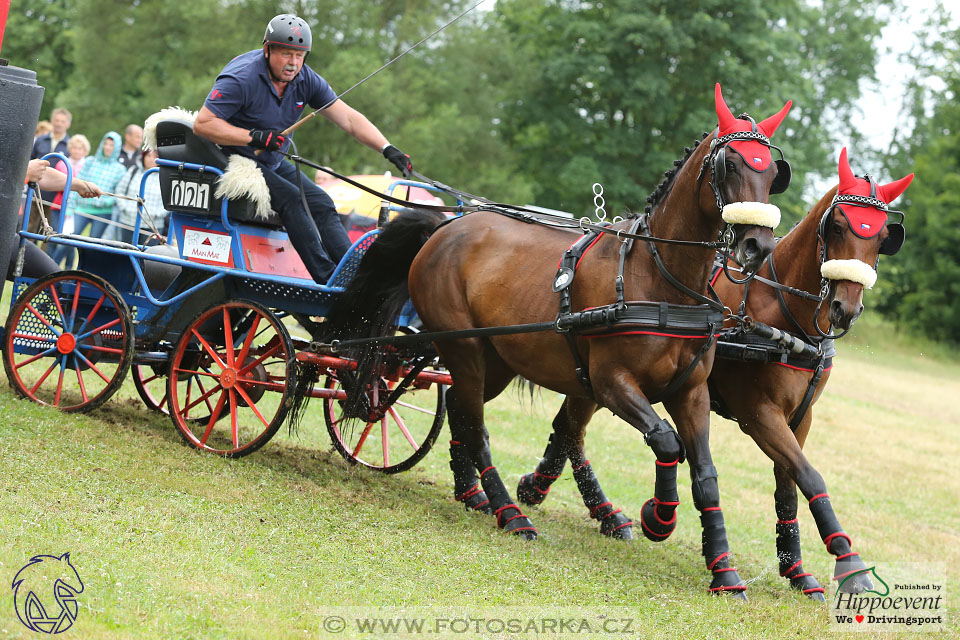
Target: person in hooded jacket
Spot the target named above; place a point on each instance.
(102, 169)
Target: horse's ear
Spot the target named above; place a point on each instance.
(724, 115)
(892, 190)
(770, 125)
(847, 179)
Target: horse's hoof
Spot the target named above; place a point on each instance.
(614, 523)
(817, 596)
(655, 528)
(728, 581)
(528, 492)
(857, 583)
(852, 574)
(739, 595)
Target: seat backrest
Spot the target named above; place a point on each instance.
(191, 191)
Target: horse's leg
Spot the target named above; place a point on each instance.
(479, 376)
(771, 433)
(619, 393)
(567, 442)
(788, 536)
(691, 410)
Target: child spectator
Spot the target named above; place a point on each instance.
(126, 211)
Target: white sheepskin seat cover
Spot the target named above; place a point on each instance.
(758, 213)
(853, 270)
(242, 178)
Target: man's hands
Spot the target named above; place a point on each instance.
(35, 170)
(267, 139)
(399, 159)
(86, 189)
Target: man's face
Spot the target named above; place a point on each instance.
(108, 147)
(133, 137)
(285, 63)
(60, 124)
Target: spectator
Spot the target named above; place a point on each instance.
(53, 142)
(79, 149)
(103, 170)
(43, 127)
(56, 140)
(324, 179)
(126, 211)
(132, 139)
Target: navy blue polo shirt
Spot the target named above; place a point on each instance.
(244, 96)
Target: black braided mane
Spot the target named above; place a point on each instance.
(668, 177)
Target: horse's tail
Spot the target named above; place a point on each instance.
(369, 307)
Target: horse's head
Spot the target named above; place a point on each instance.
(853, 232)
(743, 174)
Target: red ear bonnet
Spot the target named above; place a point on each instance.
(866, 222)
(756, 154)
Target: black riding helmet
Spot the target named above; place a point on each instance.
(287, 30)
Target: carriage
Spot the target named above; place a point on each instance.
(209, 325)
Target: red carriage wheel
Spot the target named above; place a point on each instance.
(68, 341)
(230, 379)
(395, 442)
(151, 384)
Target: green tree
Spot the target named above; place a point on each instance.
(38, 37)
(622, 86)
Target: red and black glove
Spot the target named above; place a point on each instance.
(267, 139)
(399, 159)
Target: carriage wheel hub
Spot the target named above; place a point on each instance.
(228, 379)
(66, 343)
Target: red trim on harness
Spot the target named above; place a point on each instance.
(455, 442)
(583, 466)
(664, 502)
(665, 523)
(840, 534)
(820, 495)
(542, 492)
(645, 333)
(735, 587)
(477, 506)
(543, 475)
(814, 590)
(716, 276)
(712, 509)
(790, 366)
(717, 559)
(850, 573)
(584, 254)
(628, 523)
(485, 470)
(794, 521)
(794, 566)
(800, 575)
(594, 509)
(724, 570)
(469, 493)
(847, 555)
(667, 464)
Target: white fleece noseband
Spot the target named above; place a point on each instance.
(758, 213)
(852, 270)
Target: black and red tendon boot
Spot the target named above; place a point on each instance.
(716, 553)
(509, 516)
(850, 572)
(466, 485)
(613, 522)
(534, 487)
(658, 517)
(791, 563)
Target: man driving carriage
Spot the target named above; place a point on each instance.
(260, 93)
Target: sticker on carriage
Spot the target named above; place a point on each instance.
(208, 247)
(189, 194)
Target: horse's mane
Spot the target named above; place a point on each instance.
(664, 187)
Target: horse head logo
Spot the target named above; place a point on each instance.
(37, 609)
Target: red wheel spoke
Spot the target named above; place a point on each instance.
(90, 347)
(35, 338)
(93, 312)
(56, 362)
(228, 337)
(214, 416)
(196, 373)
(263, 357)
(92, 366)
(252, 405)
(403, 428)
(56, 302)
(210, 350)
(205, 395)
(233, 418)
(59, 392)
(363, 438)
(83, 388)
(206, 398)
(251, 334)
(42, 319)
(90, 334)
(151, 379)
(34, 358)
(413, 407)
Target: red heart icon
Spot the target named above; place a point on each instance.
(859, 618)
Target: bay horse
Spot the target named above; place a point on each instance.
(490, 270)
(832, 252)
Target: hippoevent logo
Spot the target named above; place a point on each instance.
(45, 594)
(891, 599)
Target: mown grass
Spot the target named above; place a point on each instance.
(174, 544)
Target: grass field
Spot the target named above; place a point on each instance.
(174, 544)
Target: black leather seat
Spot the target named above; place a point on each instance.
(176, 141)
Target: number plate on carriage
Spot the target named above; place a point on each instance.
(208, 247)
(189, 194)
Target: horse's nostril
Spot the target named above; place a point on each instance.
(751, 247)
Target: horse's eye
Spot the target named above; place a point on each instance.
(837, 228)
(731, 168)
